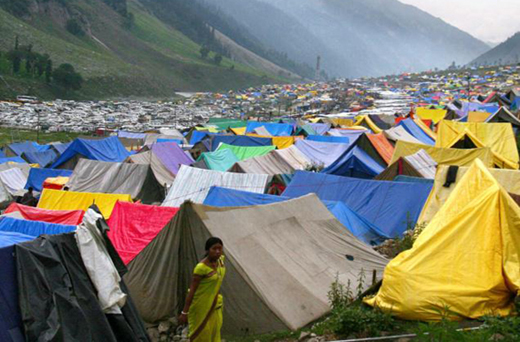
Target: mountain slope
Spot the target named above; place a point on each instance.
(356, 37)
(149, 58)
(507, 52)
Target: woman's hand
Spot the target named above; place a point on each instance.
(183, 319)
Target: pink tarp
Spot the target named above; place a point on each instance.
(134, 225)
(66, 217)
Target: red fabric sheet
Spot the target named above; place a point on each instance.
(69, 217)
(133, 226)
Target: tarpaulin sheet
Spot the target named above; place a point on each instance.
(425, 126)
(60, 148)
(382, 146)
(275, 129)
(14, 180)
(357, 225)
(70, 200)
(2, 155)
(398, 133)
(294, 157)
(38, 176)
(239, 130)
(354, 163)
(134, 225)
(109, 150)
(193, 184)
(320, 128)
(497, 136)
(12, 238)
(504, 115)
(329, 138)
(321, 153)
(365, 121)
(246, 152)
(444, 156)
(410, 179)
(392, 206)
(435, 115)
(33, 228)
(172, 156)
(219, 160)
(279, 142)
(17, 149)
(352, 134)
(342, 121)
(12, 160)
(197, 136)
(411, 127)
(131, 135)
(269, 164)
(55, 182)
(41, 158)
(67, 217)
(227, 123)
(477, 116)
(239, 140)
(466, 259)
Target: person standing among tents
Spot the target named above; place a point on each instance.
(203, 308)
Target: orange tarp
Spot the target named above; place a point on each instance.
(382, 145)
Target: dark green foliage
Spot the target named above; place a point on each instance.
(65, 76)
(48, 71)
(204, 52)
(18, 8)
(74, 27)
(118, 5)
(217, 59)
(129, 21)
(15, 57)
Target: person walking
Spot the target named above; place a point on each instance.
(204, 304)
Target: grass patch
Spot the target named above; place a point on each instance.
(10, 135)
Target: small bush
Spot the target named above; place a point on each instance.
(74, 27)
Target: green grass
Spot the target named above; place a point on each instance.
(10, 135)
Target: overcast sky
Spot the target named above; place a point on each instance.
(488, 20)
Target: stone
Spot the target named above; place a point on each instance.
(163, 338)
(313, 339)
(304, 335)
(164, 326)
(173, 320)
(496, 337)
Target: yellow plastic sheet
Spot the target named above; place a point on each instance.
(70, 200)
(279, 142)
(497, 136)
(425, 128)
(435, 115)
(239, 130)
(478, 116)
(444, 156)
(369, 123)
(342, 122)
(467, 260)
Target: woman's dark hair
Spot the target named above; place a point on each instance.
(212, 241)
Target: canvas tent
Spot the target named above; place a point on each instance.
(116, 178)
(504, 115)
(466, 259)
(275, 129)
(66, 217)
(321, 153)
(435, 115)
(355, 162)
(419, 165)
(269, 164)
(398, 133)
(193, 184)
(37, 177)
(220, 160)
(14, 181)
(17, 149)
(33, 228)
(411, 127)
(276, 255)
(246, 152)
(391, 206)
(43, 159)
(292, 156)
(238, 140)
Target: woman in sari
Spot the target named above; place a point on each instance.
(203, 308)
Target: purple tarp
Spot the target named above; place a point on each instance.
(324, 153)
(172, 156)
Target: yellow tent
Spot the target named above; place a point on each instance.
(368, 123)
(466, 260)
(279, 142)
(239, 130)
(477, 116)
(497, 136)
(435, 115)
(509, 179)
(342, 122)
(444, 156)
(70, 200)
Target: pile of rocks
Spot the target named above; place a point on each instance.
(168, 331)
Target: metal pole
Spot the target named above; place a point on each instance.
(38, 128)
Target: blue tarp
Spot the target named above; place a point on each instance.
(329, 138)
(197, 136)
(239, 140)
(275, 129)
(13, 160)
(131, 135)
(33, 228)
(320, 128)
(2, 155)
(392, 206)
(411, 127)
(177, 141)
(60, 148)
(109, 150)
(38, 176)
(41, 148)
(321, 153)
(12, 238)
(358, 226)
(409, 179)
(41, 158)
(354, 163)
(23, 147)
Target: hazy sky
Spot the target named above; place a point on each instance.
(488, 20)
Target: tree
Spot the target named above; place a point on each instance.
(41, 63)
(66, 77)
(74, 27)
(204, 52)
(217, 59)
(48, 71)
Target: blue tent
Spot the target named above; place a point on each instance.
(2, 155)
(23, 147)
(411, 127)
(38, 176)
(177, 141)
(41, 148)
(358, 226)
(354, 163)
(12, 238)
(60, 148)
(109, 150)
(410, 179)
(275, 129)
(33, 228)
(392, 206)
(43, 159)
(320, 128)
(239, 140)
(197, 136)
(329, 138)
(13, 160)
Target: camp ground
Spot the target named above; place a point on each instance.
(408, 197)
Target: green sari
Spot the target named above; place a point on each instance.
(205, 314)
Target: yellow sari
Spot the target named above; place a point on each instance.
(205, 314)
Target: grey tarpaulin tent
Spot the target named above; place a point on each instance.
(116, 178)
(269, 164)
(281, 259)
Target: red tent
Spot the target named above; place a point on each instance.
(68, 217)
(134, 225)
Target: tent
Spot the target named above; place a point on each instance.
(444, 156)
(134, 225)
(398, 133)
(275, 129)
(33, 228)
(279, 142)
(246, 152)
(365, 121)
(14, 181)
(270, 164)
(466, 259)
(413, 129)
(38, 176)
(193, 184)
(504, 115)
(392, 206)
(220, 160)
(108, 150)
(66, 217)
(292, 156)
(276, 255)
(60, 147)
(357, 225)
(354, 163)
(330, 139)
(446, 181)
(238, 140)
(12, 160)
(17, 149)
(70, 200)
(116, 178)
(419, 165)
(319, 128)
(435, 115)
(499, 137)
(43, 159)
(321, 153)
(379, 148)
